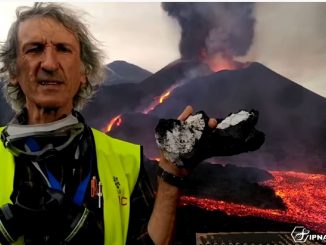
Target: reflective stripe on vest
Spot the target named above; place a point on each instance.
(118, 165)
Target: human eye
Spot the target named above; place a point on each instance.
(34, 48)
(63, 48)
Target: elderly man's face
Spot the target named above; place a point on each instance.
(49, 68)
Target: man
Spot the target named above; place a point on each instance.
(61, 181)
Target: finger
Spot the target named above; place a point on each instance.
(186, 113)
(212, 122)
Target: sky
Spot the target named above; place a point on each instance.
(290, 38)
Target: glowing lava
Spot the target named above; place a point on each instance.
(304, 195)
(116, 121)
(160, 99)
(164, 96)
(221, 61)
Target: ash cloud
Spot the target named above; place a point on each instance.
(226, 28)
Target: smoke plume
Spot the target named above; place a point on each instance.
(212, 28)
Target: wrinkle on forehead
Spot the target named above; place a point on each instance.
(46, 29)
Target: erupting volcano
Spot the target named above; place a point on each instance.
(209, 77)
(291, 118)
(221, 62)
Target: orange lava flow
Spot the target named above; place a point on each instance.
(164, 96)
(304, 195)
(158, 100)
(116, 121)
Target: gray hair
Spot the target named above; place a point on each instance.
(91, 55)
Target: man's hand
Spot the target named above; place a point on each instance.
(162, 222)
(212, 122)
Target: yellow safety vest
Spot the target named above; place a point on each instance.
(118, 165)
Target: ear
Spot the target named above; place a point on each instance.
(13, 80)
(83, 79)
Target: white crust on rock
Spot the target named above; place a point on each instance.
(233, 119)
(181, 140)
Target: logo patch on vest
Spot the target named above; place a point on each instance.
(123, 200)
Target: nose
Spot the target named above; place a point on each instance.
(49, 62)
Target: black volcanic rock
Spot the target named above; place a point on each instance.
(119, 72)
(188, 143)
